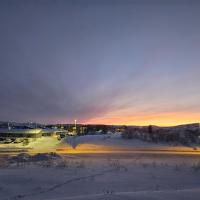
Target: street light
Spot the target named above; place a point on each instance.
(75, 125)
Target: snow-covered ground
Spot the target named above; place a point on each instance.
(107, 177)
(115, 144)
(102, 167)
(112, 143)
(43, 144)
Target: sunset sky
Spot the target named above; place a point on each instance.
(108, 62)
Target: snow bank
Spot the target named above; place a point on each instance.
(24, 157)
(107, 140)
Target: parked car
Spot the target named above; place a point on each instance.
(8, 141)
(18, 140)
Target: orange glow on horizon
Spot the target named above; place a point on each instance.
(166, 119)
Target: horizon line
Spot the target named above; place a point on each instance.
(179, 124)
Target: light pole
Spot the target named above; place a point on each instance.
(75, 125)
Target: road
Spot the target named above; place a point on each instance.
(103, 150)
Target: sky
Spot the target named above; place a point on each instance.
(126, 62)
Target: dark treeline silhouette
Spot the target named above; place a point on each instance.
(184, 134)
